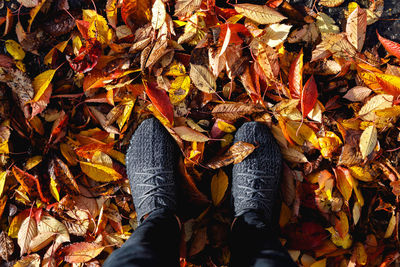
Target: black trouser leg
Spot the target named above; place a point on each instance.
(154, 243)
(254, 243)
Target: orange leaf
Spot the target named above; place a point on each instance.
(29, 183)
(390, 46)
(296, 76)
(344, 182)
(389, 83)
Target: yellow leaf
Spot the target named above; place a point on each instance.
(361, 254)
(76, 44)
(378, 102)
(33, 13)
(128, 104)
(98, 26)
(368, 141)
(329, 144)
(15, 225)
(3, 176)
(320, 263)
(68, 154)
(226, 127)
(344, 242)
(15, 50)
(301, 135)
(259, 13)
(159, 116)
(179, 89)
(392, 112)
(219, 184)
(112, 12)
(360, 173)
(100, 173)
(54, 190)
(176, 69)
(4, 147)
(32, 260)
(193, 32)
(391, 226)
(32, 162)
(117, 155)
(41, 82)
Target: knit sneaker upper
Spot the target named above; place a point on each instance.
(255, 180)
(150, 162)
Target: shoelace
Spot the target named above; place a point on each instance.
(256, 194)
(157, 184)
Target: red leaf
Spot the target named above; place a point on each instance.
(160, 100)
(308, 235)
(390, 46)
(296, 76)
(225, 13)
(87, 58)
(309, 96)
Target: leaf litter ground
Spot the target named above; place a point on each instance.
(78, 78)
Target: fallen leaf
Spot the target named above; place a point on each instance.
(202, 78)
(259, 13)
(188, 134)
(219, 184)
(235, 154)
(26, 233)
(356, 28)
(81, 252)
(368, 141)
(99, 173)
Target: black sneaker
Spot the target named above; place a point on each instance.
(150, 162)
(255, 180)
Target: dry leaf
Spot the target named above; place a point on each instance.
(259, 13)
(81, 252)
(219, 184)
(368, 141)
(202, 78)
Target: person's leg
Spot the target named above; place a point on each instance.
(255, 183)
(254, 243)
(154, 243)
(150, 162)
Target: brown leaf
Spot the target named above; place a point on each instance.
(185, 8)
(26, 233)
(236, 153)
(261, 14)
(81, 252)
(232, 112)
(6, 246)
(188, 134)
(356, 28)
